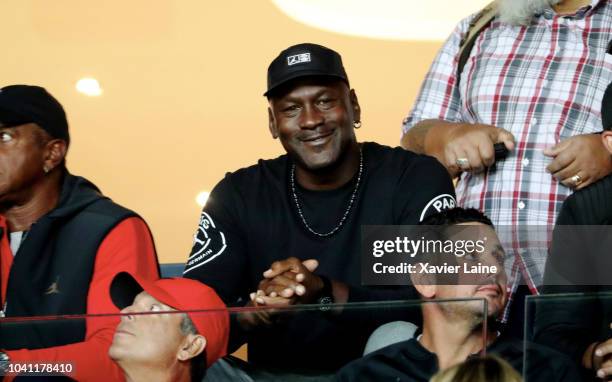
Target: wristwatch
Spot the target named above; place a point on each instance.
(5, 361)
(326, 296)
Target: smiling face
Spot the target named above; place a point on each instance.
(313, 118)
(154, 339)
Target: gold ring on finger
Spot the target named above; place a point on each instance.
(576, 179)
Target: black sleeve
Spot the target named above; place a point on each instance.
(218, 257)
(425, 188)
(567, 323)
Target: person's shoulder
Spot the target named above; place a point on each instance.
(540, 357)
(269, 168)
(408, 164)
(398, 156)
(87, 200)
(541, 361)
(106, 209)
(591, 205)
(383, 361)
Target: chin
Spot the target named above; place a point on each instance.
(114, 352)
(317, 162)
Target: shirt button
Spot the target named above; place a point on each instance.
(525, 162)
(534, 121)
(521, 205)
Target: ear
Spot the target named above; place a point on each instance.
(192, 346)
(55, 152)
(355, 106)
(606, 138)
(423, 283)
(272, 123)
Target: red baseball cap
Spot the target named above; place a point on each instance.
(183, 295)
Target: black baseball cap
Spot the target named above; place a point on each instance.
(21, 104)
(304, 60)
(606, 108)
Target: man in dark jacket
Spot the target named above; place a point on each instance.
(61, 242)
(580, 262)
(455, 328)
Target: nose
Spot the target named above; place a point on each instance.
(311, 117)
(125, 313)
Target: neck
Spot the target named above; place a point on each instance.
(332, 177)
(150, 373)
(452, 340)
(570, 6)
(27, 207)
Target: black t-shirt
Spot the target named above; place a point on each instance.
(251, 220)
(408, 361)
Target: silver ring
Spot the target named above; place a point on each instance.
(576, 179)
(462, 162)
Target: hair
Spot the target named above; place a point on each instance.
(479, 369)
(445, 222)
(457, 215)
(197, 363)
(521, 12)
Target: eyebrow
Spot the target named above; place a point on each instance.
(288, 98)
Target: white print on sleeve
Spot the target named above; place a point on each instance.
(208, 243)
(438, 204)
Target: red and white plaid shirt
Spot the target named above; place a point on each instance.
(543, 83)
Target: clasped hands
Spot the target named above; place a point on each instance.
(286, 282)
(602, 359)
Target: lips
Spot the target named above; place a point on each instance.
(316, 138)
(123, 332)
(489, 288)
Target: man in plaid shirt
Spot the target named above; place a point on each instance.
(534, 81)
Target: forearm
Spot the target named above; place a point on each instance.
(429, 137)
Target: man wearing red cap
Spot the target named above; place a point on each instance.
(167, 347)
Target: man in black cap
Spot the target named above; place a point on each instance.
(61, 242)
(287, 230)
(580, 262)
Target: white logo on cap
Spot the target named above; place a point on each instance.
(298, 58)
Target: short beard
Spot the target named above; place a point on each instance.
(469, 312)
(521, 12)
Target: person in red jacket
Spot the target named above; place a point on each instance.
(61, 243)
